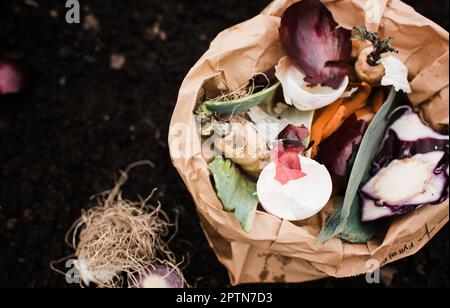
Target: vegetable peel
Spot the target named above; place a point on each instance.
(303, 96)
(315, 43)
(338, 152)
(360, 171)
(243, 145)
(396, 74)
(285, 155)
(415, 156)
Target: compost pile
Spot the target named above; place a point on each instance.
(96, 103)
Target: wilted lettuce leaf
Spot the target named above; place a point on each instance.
(235, 191)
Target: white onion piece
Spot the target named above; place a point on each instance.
(409, 127)
(300, 94)
(396, 74)
(298, 199)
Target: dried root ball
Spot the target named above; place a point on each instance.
(117, 242)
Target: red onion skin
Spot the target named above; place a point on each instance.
(336, 152)
(285, 155)
(312, 39)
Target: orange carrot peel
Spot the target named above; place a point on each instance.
(320, 123)
(335, 122)
(331, 117)
(359, 100)
(378, 100)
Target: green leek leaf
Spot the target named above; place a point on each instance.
(241, 105)
(345, 221)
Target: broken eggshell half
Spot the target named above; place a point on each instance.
(299, 93)
(298, 199)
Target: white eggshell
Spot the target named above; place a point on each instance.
(299, 199)
(300, 94)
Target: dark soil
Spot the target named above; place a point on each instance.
(80, 121)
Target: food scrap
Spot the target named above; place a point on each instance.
(313, 131)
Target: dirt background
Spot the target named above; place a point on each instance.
(88, 114)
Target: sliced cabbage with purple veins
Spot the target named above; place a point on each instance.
(410, 170)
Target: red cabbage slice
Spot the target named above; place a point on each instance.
(405, 185)
(407, 137)
(315, 43)
(410, 170)
(337, 152)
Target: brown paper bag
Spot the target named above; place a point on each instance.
(281, 251)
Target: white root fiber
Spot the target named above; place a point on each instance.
(118, 239)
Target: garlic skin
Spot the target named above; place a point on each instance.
(267, 126)
(396, 74)
(88, 276)
(270, 126)
(299, 93)
(298, 199)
